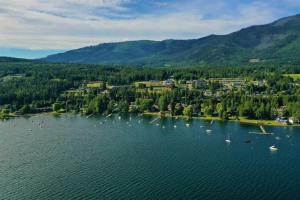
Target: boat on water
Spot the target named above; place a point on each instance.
(208, 131)
(187, 125)
(201, 126)
(175, 126)
(228, 141)
(273, 148)
(120, 117)
(247, 141)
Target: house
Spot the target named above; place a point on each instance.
(199, 83)
(168, 83)
(208, 93)
(293, 120)
(282, 120)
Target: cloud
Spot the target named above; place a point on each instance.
(56, 24)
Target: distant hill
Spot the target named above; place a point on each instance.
(278, 42)
(10, 59)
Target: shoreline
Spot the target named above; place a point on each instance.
(241, 120)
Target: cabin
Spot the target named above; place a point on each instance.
(282, 120)
(208, 93)
(168, 83)
(293, 120)
(199, 84)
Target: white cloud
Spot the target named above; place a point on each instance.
(40, 24)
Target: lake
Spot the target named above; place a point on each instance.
(74, 157)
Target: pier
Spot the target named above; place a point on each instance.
(154, 120)
(262, 129)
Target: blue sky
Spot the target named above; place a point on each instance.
(35, 28)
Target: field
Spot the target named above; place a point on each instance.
(94, 85)
(293, 76)
(150, 83)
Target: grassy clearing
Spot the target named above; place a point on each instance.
(95, 85)
(149, 83)
(241, 119)
(293, 76)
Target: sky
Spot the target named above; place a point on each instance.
(36, 28)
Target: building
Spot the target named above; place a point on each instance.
(168, 83)
(199, 83)
(208, 93)
(293, 120)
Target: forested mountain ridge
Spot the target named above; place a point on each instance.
(277, 42)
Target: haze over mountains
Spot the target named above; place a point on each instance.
(277, 42)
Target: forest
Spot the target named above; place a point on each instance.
(252, 92)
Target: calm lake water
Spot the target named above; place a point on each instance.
(72, 157)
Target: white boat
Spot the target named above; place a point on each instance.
(201, 126)
(228, 141)
(273, 148)
(120, 117)
(208, 131)
(175, 126)
(187, 125)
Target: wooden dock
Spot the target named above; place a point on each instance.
(262, 129)
(154, 120)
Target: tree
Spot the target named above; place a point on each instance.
(25, 109)
(123, 106)
(188, 111)
(56, 107)
(162, 103)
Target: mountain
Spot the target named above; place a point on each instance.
(277, 42)
(11, 59)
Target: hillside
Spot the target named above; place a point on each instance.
(278, 42)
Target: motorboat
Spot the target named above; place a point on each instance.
(273, 148)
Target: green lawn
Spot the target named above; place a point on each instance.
(150, 83)
(95, 85)
(293, 76)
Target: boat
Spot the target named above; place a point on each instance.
(247, 141)
(201, 126)
(187, 125)
(228, 139)
(120, 117)
(273, 148)
(175, 126)
(208, 131)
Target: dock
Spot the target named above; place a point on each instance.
(90, 115)
(154, 120)
(263, 130)
(109, 115)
